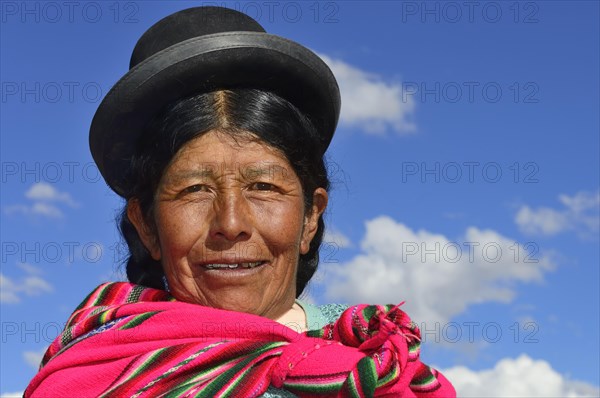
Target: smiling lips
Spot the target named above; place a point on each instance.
(242, 265)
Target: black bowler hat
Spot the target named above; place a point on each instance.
(199, 50)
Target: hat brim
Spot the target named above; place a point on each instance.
(202, 64)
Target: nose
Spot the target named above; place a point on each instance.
(232, 220)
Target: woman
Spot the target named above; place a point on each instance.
(215, 138)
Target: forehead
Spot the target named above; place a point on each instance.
(216, 151)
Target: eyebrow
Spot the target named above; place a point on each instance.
(249, 172)
(257, 171)
(275, 171)
(185, 174)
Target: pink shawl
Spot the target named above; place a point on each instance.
(129, 340)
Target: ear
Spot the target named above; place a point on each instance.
(311, 220)
(149, 239)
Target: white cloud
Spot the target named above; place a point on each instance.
(18, 394)
(437, 277)
(45, 209)
(542, 221)
(32, 284)
(527, 320)
(42, 191)
(369, 102)
(38, 208)
(580, 213)
(8, 290)
(34, 358)
(520, 377)
(335, 237)
(43, 196)
(16, 209)
(30, 269)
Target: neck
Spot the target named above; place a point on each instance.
(294, 318)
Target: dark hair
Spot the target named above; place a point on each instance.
(240, 113)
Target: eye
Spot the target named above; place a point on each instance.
(263, 186)
(195, 188)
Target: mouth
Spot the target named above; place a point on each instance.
(234, 266)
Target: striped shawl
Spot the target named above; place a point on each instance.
(126, 340)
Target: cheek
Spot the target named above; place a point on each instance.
(178, 229)
(281, 227)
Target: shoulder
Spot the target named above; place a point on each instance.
(318, 316)
(332, 311)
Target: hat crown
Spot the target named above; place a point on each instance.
(187, 24)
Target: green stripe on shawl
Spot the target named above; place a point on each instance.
(135, 372)
(138, 320)
(367, 374)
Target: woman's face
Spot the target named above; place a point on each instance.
(230, 225)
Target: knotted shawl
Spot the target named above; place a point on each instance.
(127, 340)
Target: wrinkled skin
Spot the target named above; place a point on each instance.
(226, 200)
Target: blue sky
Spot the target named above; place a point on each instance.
(465, 169)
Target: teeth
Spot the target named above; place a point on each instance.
(233, 266)
(216, 266)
